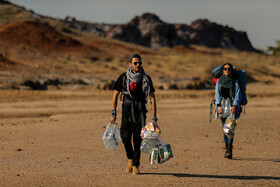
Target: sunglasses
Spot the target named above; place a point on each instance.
(135, 63)
(227, 69)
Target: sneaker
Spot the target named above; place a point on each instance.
(135, 170)
(129, 166)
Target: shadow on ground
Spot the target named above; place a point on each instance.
(257, 159)
(217, 176)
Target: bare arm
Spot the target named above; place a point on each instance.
(154, 105)
(114, 105)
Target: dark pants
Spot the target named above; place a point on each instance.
(228, 141)
(132, 128)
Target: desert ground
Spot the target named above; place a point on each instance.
(53, 138)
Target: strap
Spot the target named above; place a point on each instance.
(211, 108)
(136, 106)
(244, 106)
(124, 88)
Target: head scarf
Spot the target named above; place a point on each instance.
(136, 78)
(226, 82)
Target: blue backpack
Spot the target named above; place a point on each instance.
(241, 80)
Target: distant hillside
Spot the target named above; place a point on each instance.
(37, 35)
(40, 52)
(146, 30)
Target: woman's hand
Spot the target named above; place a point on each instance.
(233, 109)
(220, 110)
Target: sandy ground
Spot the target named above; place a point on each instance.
(55, 140)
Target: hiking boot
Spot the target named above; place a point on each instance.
(135, 170)
(229, 152)
(129, 166)
(226, 153)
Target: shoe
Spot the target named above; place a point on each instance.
(135, 170)
(226, 153)
(129, 166)
(229, 151)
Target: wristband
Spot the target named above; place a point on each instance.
(155, 119)
(114, 113)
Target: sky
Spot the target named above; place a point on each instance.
(260, 19)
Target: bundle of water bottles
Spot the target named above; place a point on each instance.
(150, 135)
(111, 136)
(151, 144)
(226, 105)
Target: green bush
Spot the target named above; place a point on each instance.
(275, 51)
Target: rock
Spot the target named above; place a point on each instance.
(196, 85)
(173, 87)
(35, 85)
(107, 85)
(148, 30)
(210, 34)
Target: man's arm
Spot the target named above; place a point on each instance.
(154, 105)
(114, 106)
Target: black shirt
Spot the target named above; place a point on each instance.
(138, 93)
(225, 92)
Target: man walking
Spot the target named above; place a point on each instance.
(135, 85)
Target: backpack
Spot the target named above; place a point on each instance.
(241, 80)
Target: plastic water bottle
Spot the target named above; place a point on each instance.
(148, 145)
(117, 134)
(225, 104)
(111, 137)
(228, 106)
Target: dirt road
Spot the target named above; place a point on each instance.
(56, 141)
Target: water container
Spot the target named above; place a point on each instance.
(111, 137)
(226, 105)
(147, 145)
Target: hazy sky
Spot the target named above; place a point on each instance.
(259, 18)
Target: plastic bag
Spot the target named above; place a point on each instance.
(226, 105)
(230, 125)
(161, 153)
(150, 135)
(151, 130)
(147, 145)
(111, 136)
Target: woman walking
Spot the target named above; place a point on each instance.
(227, 89)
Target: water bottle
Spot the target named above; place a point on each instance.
(108, 137)
(226, 105)
(148, 145)
(226, 108)
(117, 134)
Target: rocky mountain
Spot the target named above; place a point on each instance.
(92, 28)
(211, 34)
(40, 52)
(148, 30)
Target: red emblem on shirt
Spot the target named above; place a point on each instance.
(133, 86)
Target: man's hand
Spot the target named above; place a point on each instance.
(113, 120)
(233, 109)
(220, 110)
